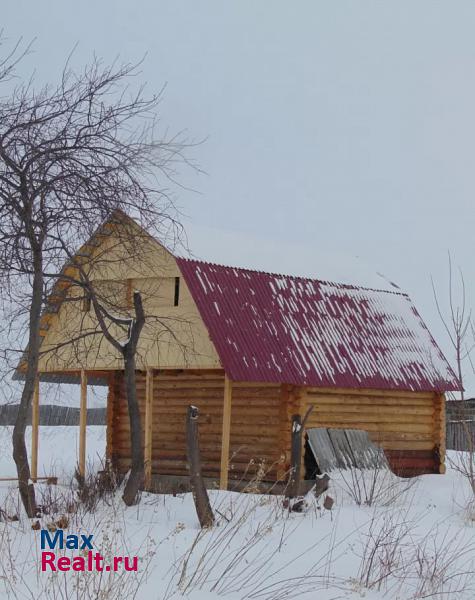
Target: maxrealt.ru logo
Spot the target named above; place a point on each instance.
(88, 560)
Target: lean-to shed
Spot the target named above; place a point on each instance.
(250, 349)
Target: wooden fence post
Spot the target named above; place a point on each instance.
(226, 433)
(295, 475)
(293, 486)
(200, 494)
(148, 428)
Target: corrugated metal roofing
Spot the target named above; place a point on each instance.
(277, 328)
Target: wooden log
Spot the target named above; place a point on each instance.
(370, 392)
(226, 433)
(295, 474)
(148, 429)
(293, 486)
(35, 423)
(198, 488)
(82, 424)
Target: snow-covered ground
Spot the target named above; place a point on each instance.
(415, 541)
(57, 450)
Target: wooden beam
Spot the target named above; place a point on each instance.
(82, 424)
(226, 433)
(148, 427)
(35, 422)
(53, 480)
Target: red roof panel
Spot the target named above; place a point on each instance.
(277, 328)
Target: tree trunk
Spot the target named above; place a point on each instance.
(200, 493)
(129, 350)
(137, 471)
(20, 454)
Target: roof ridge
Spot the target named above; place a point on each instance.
(347, 286)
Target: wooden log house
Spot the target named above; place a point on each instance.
(249, 349)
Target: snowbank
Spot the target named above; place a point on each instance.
(415, 543)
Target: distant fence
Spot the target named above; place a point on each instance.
(461, 425)
(53, 415)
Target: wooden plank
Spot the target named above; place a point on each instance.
(322, 448)
(148, 428)
(342, 449)
(82, 424)
(284, 433)
(366, 454)
(53, 480)
(226, 433)
(35, 423)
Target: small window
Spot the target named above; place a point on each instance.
(177, 291)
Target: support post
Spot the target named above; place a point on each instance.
(226, 433)
(296, 454)
(82, 424)
(148, 428)
(35, 422)
(293, 487)
(198, 488)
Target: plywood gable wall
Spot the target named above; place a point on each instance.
(173, 337)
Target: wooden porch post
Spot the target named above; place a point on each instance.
(82, 424)
(148, 427)
(35, 422)
(226, 433)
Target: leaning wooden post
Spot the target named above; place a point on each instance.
(226, 433)
(82, 424)
(35, 422)
(200, 494)
(148, 428)
(295, 475)
(293, 486)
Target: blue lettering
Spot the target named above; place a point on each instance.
(51, 541)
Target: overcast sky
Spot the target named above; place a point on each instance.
(334, 130)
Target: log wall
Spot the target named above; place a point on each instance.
(255, 414)
(410, 426)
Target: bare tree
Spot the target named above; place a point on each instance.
(459, 326)
(128, 351)
(69, 156)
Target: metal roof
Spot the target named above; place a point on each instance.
(276, 328)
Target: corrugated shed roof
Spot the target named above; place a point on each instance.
(276, 328)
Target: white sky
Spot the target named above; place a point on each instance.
(333, 129)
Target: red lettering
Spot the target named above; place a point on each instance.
(48, 558)
(134, 566)
(98, 560)
(64, 563)
(79, 564)
(117, 560)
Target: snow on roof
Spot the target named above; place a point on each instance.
(278, 328)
